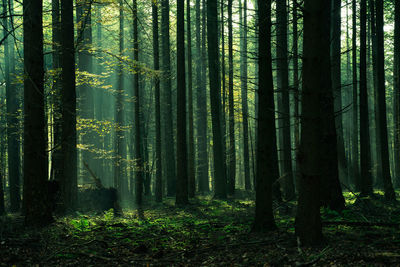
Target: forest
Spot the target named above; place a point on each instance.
(199, 132)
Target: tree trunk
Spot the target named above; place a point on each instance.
(36, 203)
(381, 97)
(138, 153)
(181, 145)
(283, 103)
(156, 65)
(316, 53)
(166, 88)
(396, 75)
(365, 151)
(201, 100)
(68, 100)
(13, 142)
(243, 81)
(231, 150)
(267, 157)
(191, 152)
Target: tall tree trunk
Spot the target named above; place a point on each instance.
(232, 150)
(215, 99)
(316, 53)
(267, 157)
(13, 143)
(119, 120)
(166, 88)
(283, 103)
(381, 96)
(2, 155)
(354, 145)
(201, 101)
(365, 151)
(191, 152)
(243, 81)
(68, 103)
(396, 75)
(138, 153)
(36, 204)
(181, 143)
(156, 65)
(337, 85)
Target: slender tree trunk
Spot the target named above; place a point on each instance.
(166, 88)
(231, 150)
(316, 53)
(365, 152)
(191, 152)
(37, 206)
(354, 145)
(396, 75)
(138, 152)
(381, 97)
(337, 85)
(215, 99)
(181, 143)
(156, 65)
(243, 81)
(267, 157)
(283, 103)
(201, 100)
(296, 90)
(13, 143)
(68, 100)
(2, 155)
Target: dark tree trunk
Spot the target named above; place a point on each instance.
(215, 99)
(231, 150)
(181, 143)
(156, 65)
(316, 53)
(36, 204)
(201, 100)
(138, 152)
(191, 152)
(365, 151)
(167, 111)
(396, 76)
(68, 107)
(267, 158)
(283, 103)
(381, 97)
(245, 108)
(13, 142)
(354, 145)
(337, 85)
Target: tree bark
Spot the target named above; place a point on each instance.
(396, 75)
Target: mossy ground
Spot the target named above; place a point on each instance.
(206, 233)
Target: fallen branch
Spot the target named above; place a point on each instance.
(366, 224)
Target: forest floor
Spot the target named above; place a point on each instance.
(206, 233)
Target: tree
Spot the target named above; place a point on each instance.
(13, 144)
(336, 54)
(381, 97)
(245, 108)
(396, 75)
(201, 101)
(36, 204)
(316, 46)
(138, 152)
(283, 103)
(267, 161)
(191, 152)
(215, 99)
(231, 150)
(181, 145)
(68, 102)
(156, 65)
(365, 152)
(166, 88)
